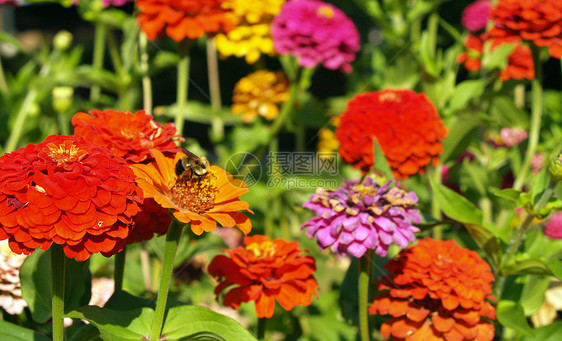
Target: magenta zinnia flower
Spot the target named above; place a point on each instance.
(315, 32)
(117, 3)
(476, 15)
(361, 216)
(553, 228)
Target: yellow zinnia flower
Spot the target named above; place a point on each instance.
(259, 94)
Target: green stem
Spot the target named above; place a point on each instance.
(435, 208)
(536, 115)
(145, 266)
(519, 96)
(97, 63)
(364, 270)
(3, 83)
(63, 124)
(432, 26)
(284, 112)
(119, 271)
(57, 285)
(114, 53)
(21, 117)
(215, 90)
(183, 82)
(172, 241)
(146, 82)
(261, 328)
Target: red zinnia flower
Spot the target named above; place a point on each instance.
(183, 18)
(132, 136)
(539, 21)
(519, 64)
(436, 290)
(405, 124)
(69, 192)
(265, 271)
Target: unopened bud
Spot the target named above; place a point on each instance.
(62, 40)
(555, 168)
(62, 98)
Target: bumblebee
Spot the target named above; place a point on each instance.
(197, 166)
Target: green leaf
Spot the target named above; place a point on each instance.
(509, 194)
(511, 315)
(185, 321)
(455, 205)
(556, 268)
(529, 266)
(122, 300)
(113, 325)
(506, 113)
(12, 332)
(35, 274)
(532, 296)
(497, 59)
(381, 164)
(460, 127)
(203, 113)
(551, 332)
(466, 91)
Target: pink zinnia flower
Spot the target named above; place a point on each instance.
(116, 3)
(361, 216)
(316, 32)
(553, 228)
(476, 15)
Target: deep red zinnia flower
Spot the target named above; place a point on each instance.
(539, 21)
(265, 271)
(406, 126)
(182, 19)
(436, 290)
(67, 191)
(132, 136)
(519, 64)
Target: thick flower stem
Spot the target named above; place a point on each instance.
(172, 241)
(119, 271)
(364, 270)
(536, 115)
(435, 208)
(215, 90)
(261, 328)
(99, 52)
(183, 82)
(21, 117)
(57, 285)
(146, 82)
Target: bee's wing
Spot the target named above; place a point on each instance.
(189, 154)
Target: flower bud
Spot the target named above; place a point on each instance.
(62, 40)
(62, 98)
(555, 168)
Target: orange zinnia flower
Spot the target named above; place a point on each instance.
(67, 191)
(539, 21)
(183, 18)
(132, 136)
(436, 290)
(519, 64)
(406, 125)
(202, 201)
(265, 271)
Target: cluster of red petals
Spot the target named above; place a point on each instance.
(182, 19)
(265, 271)
(132, 136)
(405, 124)
(436, 290)
(127, 135)
(539, 21)
(69, 192)
(519, 64)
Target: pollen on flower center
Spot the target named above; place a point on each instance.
(389, 97)
(196, 194)
(326, 12)
(64, 153)
(263, 250)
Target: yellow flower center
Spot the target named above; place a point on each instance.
(325, 11)
(196, 194)
(389, 97)
(263, 250)
(64, 153)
